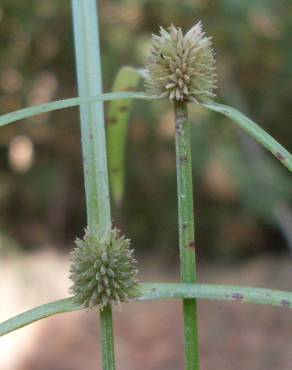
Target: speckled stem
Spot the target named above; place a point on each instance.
(155, 291)
(186, 231)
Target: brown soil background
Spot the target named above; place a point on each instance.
(148, 335)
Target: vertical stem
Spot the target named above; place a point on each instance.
(86, 36)
(186, 231)
(107, 339)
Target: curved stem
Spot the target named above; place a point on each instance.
(255, 131)
(155, 291)
(186, 231)
(6, 119)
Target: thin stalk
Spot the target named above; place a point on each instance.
(155, 291)
(34, 110)
(107, 338)
(86, 34)
(186, 231)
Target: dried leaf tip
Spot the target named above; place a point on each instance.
(103, 269)
(181, 67)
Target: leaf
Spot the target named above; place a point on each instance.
(260, 135)
(161, 291)
(117, 128)
(38, 313)
(5, 119)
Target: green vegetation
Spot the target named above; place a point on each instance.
(97, 192)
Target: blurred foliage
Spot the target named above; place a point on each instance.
(237, 189)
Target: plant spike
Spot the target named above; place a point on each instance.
(186, 67)
(103, 269)
(182, 68)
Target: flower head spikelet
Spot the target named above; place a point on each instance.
(103, 269)
(181, 67)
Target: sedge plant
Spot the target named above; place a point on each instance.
(180, 68)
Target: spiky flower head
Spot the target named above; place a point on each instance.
(181, 67)
(103, 269)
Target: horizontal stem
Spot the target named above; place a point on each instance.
(161, 291)
(215, 292)
(244, 122)
(5, 119)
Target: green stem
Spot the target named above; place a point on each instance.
(86, 34)
(255, 131)
(34, 110)
(107, 338)
(186, 231)
(160, 291)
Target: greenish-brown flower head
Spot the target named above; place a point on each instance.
(103, 270)
(181, 67)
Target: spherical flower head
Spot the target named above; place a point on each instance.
(103, 270)
(181, 67)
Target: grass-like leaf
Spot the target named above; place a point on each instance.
(244, 122)
(38, 313)
(89, 78)
(11, 117)
(260, 135)
(117, 128)
(161, 291)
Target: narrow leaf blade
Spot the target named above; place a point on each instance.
(260, 135)
(38, 313)
(155, 291)
(11, 117)
(118, 119)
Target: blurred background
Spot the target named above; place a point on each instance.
(242, 195)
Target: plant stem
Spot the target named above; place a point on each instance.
(34, 110)
(155, 291)
(107, 338)
(186, 231)
(86, 34)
